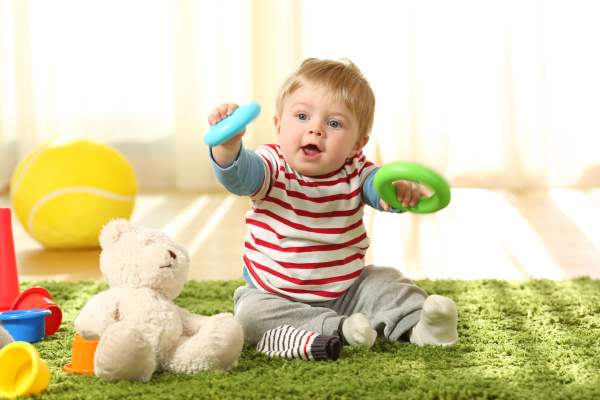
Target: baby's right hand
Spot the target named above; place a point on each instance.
(226, 153)
(222, 112)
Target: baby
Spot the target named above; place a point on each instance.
(304, 253)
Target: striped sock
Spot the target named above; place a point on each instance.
(288, 342)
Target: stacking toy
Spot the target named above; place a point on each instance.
(82, 355)
(32, 298)
(232, 125)
(386, 175)
(9, 280)
(23, 371)
(39, 298)
(25, 325)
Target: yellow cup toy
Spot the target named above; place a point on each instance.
(22, 371)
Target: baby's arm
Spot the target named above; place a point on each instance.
(226, 153)
(241, 172)
(408, 193)
(245, 176)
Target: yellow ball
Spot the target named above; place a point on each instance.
(67, 189)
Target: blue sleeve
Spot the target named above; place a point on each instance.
(371, 197)
(244, 177)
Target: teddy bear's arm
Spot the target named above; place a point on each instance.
(191, 322)
(99, 312)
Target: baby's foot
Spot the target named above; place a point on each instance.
(438, 323)
(285, 341)
(358, 332)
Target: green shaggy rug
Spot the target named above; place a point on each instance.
(533, 339)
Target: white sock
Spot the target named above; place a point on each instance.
(437, 325)
(358, 332)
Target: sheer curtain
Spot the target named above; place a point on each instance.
(492, 94)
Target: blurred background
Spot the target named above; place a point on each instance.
(494, 94)
(502, 97)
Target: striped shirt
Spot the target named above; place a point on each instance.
(306, 239)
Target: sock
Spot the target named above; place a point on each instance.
(288, 342)
(437, 325)
(358, 332)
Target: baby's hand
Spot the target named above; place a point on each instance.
(222, 112)
(407, 192)
(226, 153)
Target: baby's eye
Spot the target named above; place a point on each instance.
(302, 117)
(335, 124)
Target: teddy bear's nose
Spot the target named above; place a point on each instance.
(173, 255)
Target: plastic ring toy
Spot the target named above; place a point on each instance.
(232, 125)
(386, 175)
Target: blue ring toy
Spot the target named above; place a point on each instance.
(232, 125)
(386, 175)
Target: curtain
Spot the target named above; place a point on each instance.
(494, 94)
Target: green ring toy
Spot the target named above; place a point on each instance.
(386, 175)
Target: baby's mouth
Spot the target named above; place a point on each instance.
(311, 150)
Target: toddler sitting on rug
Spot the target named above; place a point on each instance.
(306, 243)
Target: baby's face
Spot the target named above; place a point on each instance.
(316, 136)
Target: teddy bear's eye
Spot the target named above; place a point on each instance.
(173, 255)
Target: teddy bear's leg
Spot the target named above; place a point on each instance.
(124, 353)
(5, 337)
(437, 325)
(217, 346)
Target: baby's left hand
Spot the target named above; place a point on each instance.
(407, 192)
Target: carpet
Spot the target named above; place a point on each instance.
(535, 339)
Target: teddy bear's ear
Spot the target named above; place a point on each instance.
(112, 231)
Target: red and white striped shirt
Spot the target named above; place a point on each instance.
(306, 239)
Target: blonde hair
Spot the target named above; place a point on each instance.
(343, 81)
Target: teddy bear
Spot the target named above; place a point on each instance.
(5, 337)
(139, 328)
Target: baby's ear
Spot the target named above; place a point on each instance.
(358, 146)
(112, 231)
(276, 122)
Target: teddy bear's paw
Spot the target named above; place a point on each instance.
(124, 353)
(217, 346)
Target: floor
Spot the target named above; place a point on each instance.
(500, 234)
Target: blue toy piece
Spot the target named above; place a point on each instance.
(386, 175)
(232, 125)
(25, 325)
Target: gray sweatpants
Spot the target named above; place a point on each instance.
(390, 300)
